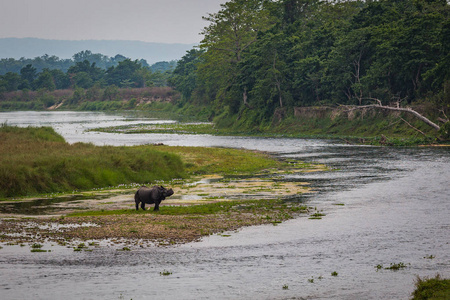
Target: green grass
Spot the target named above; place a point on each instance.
(174, 128)
(38, 160)
(224, 161)
(432, 289)
(201, 209)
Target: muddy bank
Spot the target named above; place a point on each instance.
(208, 205)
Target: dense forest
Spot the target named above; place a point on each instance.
(260, 59)
(260, 56)
(85, 70)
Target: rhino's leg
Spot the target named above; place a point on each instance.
(156, 206)
(143, 205)
(137, 200)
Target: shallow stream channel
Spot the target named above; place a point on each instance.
(383, 207)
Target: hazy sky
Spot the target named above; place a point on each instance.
(164, 21)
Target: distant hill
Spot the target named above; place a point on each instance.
(33, 47)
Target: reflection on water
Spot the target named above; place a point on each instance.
(394, 207)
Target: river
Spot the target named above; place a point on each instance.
(382, 205)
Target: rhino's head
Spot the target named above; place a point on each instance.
(166, 192)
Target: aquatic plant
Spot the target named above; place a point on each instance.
(124, 249)
(393, 266)
(396, 267)
(39, 250)
(334, 273)
(285, 287)
(36, 246)
(165, 273)
(80, 247)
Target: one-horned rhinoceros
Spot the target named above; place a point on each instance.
(152, 195)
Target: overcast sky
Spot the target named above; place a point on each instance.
(162, 21)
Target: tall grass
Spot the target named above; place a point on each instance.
(432, 288)
(38, 160)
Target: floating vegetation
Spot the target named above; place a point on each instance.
(396, 267)
(124, 249)
(316, 216)
(285, 287)
(37, 248)
(82, 247)
(429, 256)
(334, 273)
(165, 273)
(393, 266)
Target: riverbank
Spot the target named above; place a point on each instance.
(355, 125)
(368, 125)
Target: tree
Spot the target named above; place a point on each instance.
(28, 75)
(11, 81)
(125, 74)
(45, 81)
(184, 77)
(61, 79)
(231, 32)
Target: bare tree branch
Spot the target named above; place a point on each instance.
(407, 110)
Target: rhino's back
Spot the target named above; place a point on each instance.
(146, 193)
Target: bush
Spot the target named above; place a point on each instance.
(432, 288)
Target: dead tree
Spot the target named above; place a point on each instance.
(401, 109)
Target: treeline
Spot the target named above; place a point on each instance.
(258, 56)
(95, 98)
(85, 70)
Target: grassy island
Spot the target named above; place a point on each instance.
(216, 190)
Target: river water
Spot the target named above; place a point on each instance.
(382, 206)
